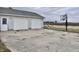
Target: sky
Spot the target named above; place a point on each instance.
(54, 13)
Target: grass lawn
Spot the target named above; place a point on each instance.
(59, 28)
(3, 48)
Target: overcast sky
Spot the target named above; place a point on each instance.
(53, 13)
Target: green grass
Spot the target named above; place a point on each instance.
(3, 48)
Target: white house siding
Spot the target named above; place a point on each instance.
(10, 23)
(29, 23)
(20, 23)
(36, 23)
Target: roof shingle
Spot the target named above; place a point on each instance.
(18, 12)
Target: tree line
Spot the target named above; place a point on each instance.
(63, 23)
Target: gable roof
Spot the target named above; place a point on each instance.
(19, 12)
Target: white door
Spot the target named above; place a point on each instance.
(36, 23)
(4, 22)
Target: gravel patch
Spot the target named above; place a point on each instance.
(41, 41)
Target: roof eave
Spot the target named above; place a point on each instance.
(3, 14)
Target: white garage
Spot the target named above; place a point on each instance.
(11, 19)
(36, 23)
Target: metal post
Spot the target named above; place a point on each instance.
(66, 23)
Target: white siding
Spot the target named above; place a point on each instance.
(29, 23)
(36, 23)
(20, 23)
(10, 23)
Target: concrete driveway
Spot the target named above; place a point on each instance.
(41, 41)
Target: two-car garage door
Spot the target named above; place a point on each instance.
(26, 23)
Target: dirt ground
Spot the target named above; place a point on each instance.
(41, 41)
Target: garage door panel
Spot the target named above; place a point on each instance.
(36, 23)
(20, 23)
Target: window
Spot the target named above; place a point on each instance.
(4, 20)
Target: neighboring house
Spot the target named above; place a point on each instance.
(12, 19)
